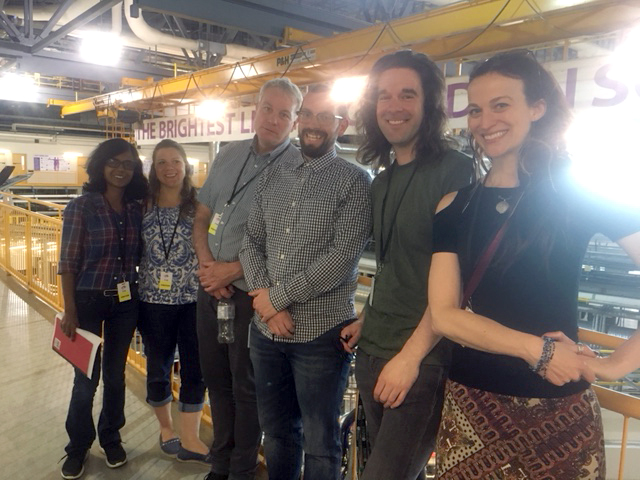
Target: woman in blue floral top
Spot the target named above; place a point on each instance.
(168, 287)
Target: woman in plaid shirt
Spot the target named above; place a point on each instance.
(100, 251)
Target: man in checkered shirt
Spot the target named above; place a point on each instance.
(306, 230)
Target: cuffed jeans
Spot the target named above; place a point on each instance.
(300, 387)
(162, 328)
(119, 320)
(402, 439)
(228, 375)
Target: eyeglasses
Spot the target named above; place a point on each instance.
(323, 118)
(126, 164)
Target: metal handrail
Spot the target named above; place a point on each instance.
(53, 206)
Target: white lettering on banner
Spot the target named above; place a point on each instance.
(587, 83)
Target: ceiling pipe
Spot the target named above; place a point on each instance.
(116, 19)
(231, 53)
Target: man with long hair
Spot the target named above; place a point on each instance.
(401, 382)
(225, 200)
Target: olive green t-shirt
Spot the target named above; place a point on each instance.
(400, 291)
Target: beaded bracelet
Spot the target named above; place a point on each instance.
(548, 350)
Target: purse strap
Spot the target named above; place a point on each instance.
(487, 256)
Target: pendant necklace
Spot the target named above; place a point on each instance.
(503, 205)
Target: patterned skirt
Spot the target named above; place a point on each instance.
(485, 435)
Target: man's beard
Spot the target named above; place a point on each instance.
(312, 151)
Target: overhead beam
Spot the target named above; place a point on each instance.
(10, 28)
(444, 34)
(53, 21)
(262, 17)
(84, 18)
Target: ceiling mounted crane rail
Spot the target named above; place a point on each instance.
(459, 31)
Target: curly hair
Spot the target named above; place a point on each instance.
(188, 192)
(546, 136)
(138, 187)
(431, 145)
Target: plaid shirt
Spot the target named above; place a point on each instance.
(305, 233)
(90, 247)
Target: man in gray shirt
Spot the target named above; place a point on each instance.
(225, 200)
(306, 230)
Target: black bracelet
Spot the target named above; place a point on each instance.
(548, 349)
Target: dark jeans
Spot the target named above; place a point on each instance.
(162, 328)
(402, 438)
(228, 375)
(115, 322)
(300, 388)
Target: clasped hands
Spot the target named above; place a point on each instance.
(279, 323)
(571, 361)
(216, 277)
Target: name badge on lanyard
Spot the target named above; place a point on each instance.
(124, 292)
(214, 223)
(165, 280)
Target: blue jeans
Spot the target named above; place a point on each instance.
(300, 388)
(162, 328)
(115, 322)
(402, 438)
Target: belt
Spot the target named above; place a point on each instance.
(110, 292)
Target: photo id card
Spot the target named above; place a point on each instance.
(124, 292)
(165, 280)
(215, 221)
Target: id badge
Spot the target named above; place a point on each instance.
(124, 292)
(214, 223)
(165, 280)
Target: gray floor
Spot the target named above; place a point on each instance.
(35, 387)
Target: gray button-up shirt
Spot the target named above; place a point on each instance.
(305, 233)
(237, 166)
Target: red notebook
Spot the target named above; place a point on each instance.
(81, 351)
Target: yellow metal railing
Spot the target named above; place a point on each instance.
(29, 246)
(29, 250)
(625, 405)
(12, 199)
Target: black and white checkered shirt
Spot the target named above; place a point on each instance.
(305, 233)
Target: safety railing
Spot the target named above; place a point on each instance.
(47, 208)
(29, 247)
(625, 405)
(29, 250)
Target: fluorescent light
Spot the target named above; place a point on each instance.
(211, 109)
(348, 90)
(19, 88)
(101, 48)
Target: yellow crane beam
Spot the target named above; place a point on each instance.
(461, 30)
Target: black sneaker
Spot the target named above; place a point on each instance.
(73, 466)
(115, 455)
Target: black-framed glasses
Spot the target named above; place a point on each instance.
(126, 164)
(323, 118)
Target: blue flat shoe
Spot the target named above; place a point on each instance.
(185, 455)
(171, 447)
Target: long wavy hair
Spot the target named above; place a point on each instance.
(431, 145)
(543, 162)
(187, 192)
(138, 187)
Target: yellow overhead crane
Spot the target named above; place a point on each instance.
(465, 29)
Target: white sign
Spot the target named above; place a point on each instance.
(234, 125)
(51, 163)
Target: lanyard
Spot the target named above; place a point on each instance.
(237, 190)
(384, 243)
(122, 240)
(166, 250)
